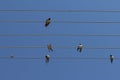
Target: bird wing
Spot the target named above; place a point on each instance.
(78, 48)
(47, 23)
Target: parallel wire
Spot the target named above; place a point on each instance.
(37, 21)
(58, 34)
(63, 47)
(85, 35)
(30, 10)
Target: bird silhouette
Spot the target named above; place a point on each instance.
(47, 57)
(47, 22)
(80, 47)
(111, 58)
(49, 46)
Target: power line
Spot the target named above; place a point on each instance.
(63, 47)
(30, 10)
(37, 21)
(69, 58)
(20, 58)
(84, 35)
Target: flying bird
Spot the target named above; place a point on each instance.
(47, 57)
(111, 58)
(80, 47)
(49, 46)
(47, 22)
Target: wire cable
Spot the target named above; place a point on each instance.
(21, 58)
(63, 47)
(58, 58)
(30, 10)
(57, 35)
(37, 21)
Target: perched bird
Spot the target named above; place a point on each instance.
(79, 48)
(47, 57)
(49, 46)
(11, 56)
(47, 22)
(111, 58)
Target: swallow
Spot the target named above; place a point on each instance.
(111, 58)
(47, 57)
(80, 47)
(49, 46)
(47, 22)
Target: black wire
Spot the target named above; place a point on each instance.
(94, 35)
(19, 58)
(69, 58)
(37, 21)
(63, 47)
(30, 10)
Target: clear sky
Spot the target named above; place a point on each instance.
(61, 69)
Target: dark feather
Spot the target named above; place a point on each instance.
(80, 49)
(77, 48)
(47, 22)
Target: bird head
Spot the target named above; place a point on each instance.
(49, 18)
(110, 55)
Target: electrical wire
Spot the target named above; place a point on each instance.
(63, 47)
(84, 35)
(30, 10)
(69, 58)
(37, 21)
(21, 57)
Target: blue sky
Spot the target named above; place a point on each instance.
(59, 69)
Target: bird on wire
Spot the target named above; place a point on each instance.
(47, 22)
(80, 47)
(47, 58)
(111, 58)
(49, 46)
